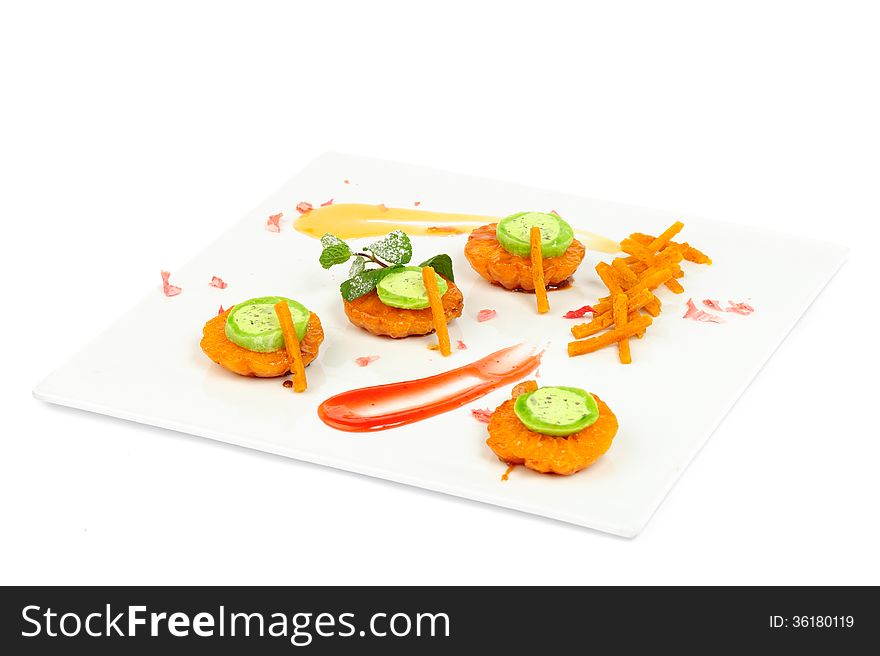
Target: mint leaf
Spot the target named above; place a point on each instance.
(364, 282)
(358, 264)
(361, 284)
(394, 249)
(441, 264)
(335, 251)
(334, 255)
(330, 240)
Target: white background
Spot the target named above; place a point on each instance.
(133, 135)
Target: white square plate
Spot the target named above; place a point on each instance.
(684, 378)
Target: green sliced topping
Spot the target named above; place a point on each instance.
(394, 248)
(513, 233)
(405, 289)
(441, 264)
(364, 282)
(253, 325)
(556, 411)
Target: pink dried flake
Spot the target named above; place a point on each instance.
(220, 311)
(461, 346)
(739, 308)
(272, 224)
(365, 360)
(733, 306)
(346, 182)
(482, 415)
(167, 288)
(417, 203)
(329, 202)
(218, 283)
(485, 315)
(580, 312)
(699, 315)
(304, 207)
(554, 212)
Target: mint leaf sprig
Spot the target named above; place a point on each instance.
(375, 261)
(394, 249)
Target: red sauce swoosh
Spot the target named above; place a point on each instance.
(395, 404)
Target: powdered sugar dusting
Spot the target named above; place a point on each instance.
(328, 240)
(395, 247)
(361, 284)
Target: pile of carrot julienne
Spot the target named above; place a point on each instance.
(631, 281)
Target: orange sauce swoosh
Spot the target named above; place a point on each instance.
(353, 220)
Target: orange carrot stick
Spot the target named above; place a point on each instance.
(604, 304)
(652, 244)
(606, 319)
(538, 270)
(639, 251)
(653, 307)
(674, 286)
(624, 272)
(606, 273)
(651, 279)
(430, 280)
(691, 254)
(291, 343)
(599, 324)
(619, 313)
(605, 339)
(666, 235)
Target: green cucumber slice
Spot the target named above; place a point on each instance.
(405, 289)
(556, 411)
(254, 325)
(513, 233)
